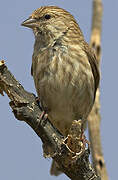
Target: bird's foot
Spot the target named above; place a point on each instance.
(43, 116)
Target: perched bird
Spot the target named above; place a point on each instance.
(64, 67)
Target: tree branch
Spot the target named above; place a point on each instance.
(94, 117)
(75, 164)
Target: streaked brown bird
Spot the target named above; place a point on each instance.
(64, 67)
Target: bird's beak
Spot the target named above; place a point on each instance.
(30, 22)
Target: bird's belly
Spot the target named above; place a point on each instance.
(60, 109)
(64, 102)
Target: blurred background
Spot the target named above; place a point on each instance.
(21, 155)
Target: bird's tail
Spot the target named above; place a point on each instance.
(55, 170)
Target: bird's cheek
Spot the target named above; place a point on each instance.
(37, 30)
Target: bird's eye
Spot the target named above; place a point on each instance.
(47, 16)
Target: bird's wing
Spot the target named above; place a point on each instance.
(94, 65)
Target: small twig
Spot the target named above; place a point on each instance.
(94, 117)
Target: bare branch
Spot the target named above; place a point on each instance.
(94, 117)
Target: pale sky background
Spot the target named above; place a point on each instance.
(20, 148)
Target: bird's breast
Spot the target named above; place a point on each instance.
(63, 85)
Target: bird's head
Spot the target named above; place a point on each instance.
(50, 20)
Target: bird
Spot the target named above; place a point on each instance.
(64, 68)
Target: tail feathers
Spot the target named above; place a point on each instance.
(55, 170)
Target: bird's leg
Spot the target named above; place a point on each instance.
(44, 113)
(39, 103)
